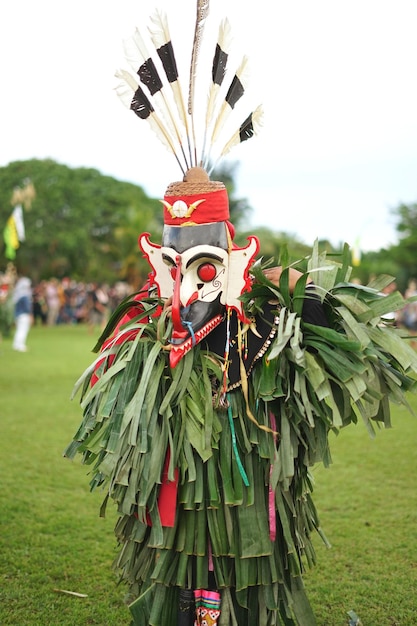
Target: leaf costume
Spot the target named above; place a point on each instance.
(214, 393)
(237, 460)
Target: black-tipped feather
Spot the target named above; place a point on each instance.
(167, 56)
(219, 65)
(161, 39)
(141, 105)
(149, 76)
(246, 130)
(218, 72)
(234, 93)
(174, 130)
(142, 62)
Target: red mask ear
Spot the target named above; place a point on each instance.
(240, 261)
(231, 230)
(161, 273)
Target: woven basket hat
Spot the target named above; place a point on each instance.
(195, 200)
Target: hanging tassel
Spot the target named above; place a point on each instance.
(244, 382)
(234, 445)
(226, 350)
(271, 493)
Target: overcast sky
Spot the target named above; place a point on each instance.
(338, 148)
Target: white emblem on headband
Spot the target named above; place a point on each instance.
(180, 207)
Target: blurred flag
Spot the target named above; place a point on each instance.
(14, 232)
(356, 253)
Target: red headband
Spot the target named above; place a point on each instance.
(199, 208)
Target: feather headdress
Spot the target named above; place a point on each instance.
(173, 114)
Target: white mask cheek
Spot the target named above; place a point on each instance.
(219, 284)
(207, 291)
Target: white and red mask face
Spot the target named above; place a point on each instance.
(202, 273)
(202, 280)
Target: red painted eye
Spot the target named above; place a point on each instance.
(173, 272)
(207, 272)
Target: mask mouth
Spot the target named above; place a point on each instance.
(195, 317)
(182, 345)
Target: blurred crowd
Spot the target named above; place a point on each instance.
(63, 301)
(68, 301)
(406, 317)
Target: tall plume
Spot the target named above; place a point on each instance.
(165, 108)
(202, 13)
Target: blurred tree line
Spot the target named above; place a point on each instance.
(82, 224)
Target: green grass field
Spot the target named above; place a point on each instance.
(52, 539)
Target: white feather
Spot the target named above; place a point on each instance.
(136, 53)
(126, 90)
(160, 32)
(135, 50)
(160, 36)
(257, 121)
(127, 78)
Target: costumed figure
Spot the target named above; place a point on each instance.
(23, 310)
(215, 389)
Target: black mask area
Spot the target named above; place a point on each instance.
(182, 238)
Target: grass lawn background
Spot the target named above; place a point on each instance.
(52, 538)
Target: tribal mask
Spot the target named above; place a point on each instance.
(197, 265)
